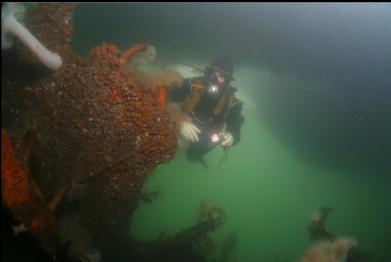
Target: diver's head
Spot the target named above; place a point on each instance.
(219, 75)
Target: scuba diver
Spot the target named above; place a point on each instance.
(317, 228)
(208, 104)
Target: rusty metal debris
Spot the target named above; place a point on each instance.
(93, 121)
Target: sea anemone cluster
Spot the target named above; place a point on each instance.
(147, 75)
(155, 77)
(325, 251)
(145, 57)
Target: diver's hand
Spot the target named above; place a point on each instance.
(189, 131)
(228, 139)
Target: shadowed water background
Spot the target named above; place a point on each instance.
(315, 83)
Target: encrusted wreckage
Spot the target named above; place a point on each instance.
(91, 120)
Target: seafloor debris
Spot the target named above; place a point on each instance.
(208, 210)
(91, 118)
(192, 244)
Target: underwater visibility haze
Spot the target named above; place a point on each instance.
(309, 179)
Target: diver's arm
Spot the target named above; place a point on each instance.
(234, 121)
(177, 97)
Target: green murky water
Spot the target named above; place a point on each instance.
(268, 193)
(315, 87)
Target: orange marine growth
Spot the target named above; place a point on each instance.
(163, 96)
(14, 174)
(19, 192)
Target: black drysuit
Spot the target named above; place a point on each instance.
(203, 117)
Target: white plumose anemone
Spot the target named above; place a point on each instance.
(10, 25)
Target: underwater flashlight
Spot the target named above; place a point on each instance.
(216, 138)
(213, 89)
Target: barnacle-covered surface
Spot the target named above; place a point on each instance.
(92, 121)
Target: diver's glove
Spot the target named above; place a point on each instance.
(189, 131)
(228, 139)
